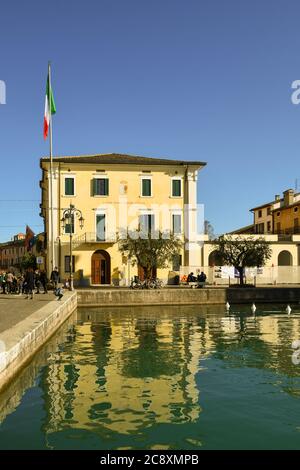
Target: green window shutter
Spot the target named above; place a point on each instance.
(100, 186)
(176, 188)
(69, 186)
(94, 187)
(146, 187)
(106, 186)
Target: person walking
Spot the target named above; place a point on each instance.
(44, 281)
(15, 284)
(29, 279)
(37, 281)
(55, 277)
(3, 282)
(21, 284)
(9, 282)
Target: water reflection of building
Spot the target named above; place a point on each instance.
(11, 397)
(129, 368)
(125, 374)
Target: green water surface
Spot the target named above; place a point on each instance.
(160, 378)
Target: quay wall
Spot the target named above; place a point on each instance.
(165, 296)
(19, 343)
(264, 295)
(177, 296)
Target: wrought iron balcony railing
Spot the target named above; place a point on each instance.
(93, 237)
(288, 231)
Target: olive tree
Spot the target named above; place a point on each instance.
(153, 251)
(242, 252)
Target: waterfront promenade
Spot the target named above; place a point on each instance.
(25, 325)
(15, 308)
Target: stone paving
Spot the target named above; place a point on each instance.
(15, 308)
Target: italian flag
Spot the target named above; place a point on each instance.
(50, 107)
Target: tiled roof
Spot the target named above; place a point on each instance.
(117, 158)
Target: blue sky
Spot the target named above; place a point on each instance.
(191, 79)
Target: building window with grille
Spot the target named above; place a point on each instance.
(100, 187)
(176, 224)
(69, 186)
(146, 223)
(67, 264)
(176, 262)
(259, 228)
(100, 227)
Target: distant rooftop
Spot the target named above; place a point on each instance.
(278, 200)
(117, 158)
(246, 229)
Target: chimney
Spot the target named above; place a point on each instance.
(277, 197)
(288, 197)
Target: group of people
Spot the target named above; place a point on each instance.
(10, 283)
(200, 278)
(32, 281)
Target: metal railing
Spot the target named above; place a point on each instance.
(266, 275)
(288, 231)
(93, 237)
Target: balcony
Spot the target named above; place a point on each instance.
(287, 233)
(93, 238)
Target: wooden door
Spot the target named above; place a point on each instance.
(96, 269)
(101, 268)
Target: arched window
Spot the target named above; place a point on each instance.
(285, 258)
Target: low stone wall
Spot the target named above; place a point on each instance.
(179, 296)
(19, 343)
(165, 296)
(264, 295)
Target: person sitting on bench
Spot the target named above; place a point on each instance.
(201, 279)
(191, 278)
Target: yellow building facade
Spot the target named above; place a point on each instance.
(280, 216)
(286, 217)
(116, 193)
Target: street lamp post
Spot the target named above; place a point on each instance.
(69, 218)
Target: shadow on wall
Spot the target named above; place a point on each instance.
(80, 280)
(116, 277)
(173, 278)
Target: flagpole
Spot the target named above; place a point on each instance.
(51, 173)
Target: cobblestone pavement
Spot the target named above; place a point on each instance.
(15, 308)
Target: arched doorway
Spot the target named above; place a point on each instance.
(214, 259)
(101, 267)
(285, 258)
